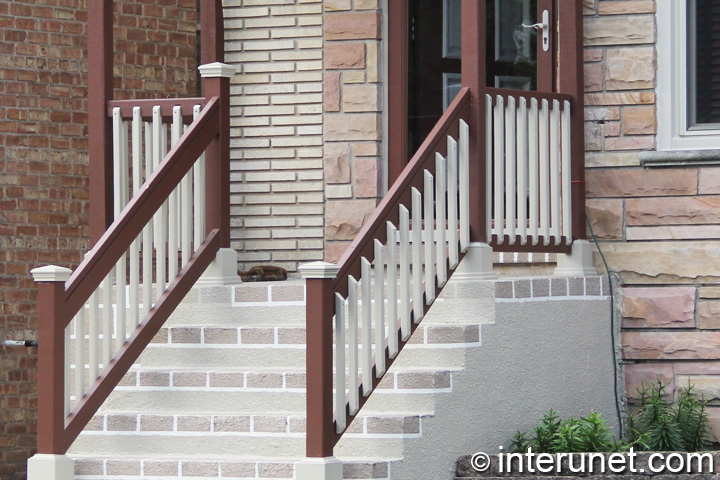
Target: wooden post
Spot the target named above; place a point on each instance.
(397, 45)
(474, 77)
(320, 310)
(52, 320)
(571, 81)
(100, 92)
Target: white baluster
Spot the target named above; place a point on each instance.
(441, 220)
(510, 169)
(79, 354)
(379, 309)
(544, 175)
(173, 210)
(452, 198)
(148, 231)
(353, 368)
(533, 136)
(340, 398)
(159, 146)
(417, 254)
(566, 178)
(522, 178)
(429, 217)
(555, 172)
(489, 114)
(198, 194)
(498, 164)
(68, 370)
(186, 214)
(405, 325)
(392, 288)
(464, 174)
(134, 296)
(366, 299)
(120, 160)
(107, 318)
(93, 338)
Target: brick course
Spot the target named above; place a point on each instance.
(43, 159)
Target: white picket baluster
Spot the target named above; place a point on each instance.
(160, 217)
(107, 318)
(79, 354)
(134, 297)
(405, 312)
(464, 175)
(510, 169)
(120, 160)
(429, 217)
(544, 175)
(148, 231)
(452, 199)
(417, 254)
(353, 398)
(173, 210)
(555, 172)
(340, 398)
(498, 164)
(379, 309)
(186, 216)
(522, 173)
(441, 219)
(93, 338)
(533, 136)
(198, 195)
(68, 371)
(489, 165)
(366, 299)
(566, 182)
(392, 287)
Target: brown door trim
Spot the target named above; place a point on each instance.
(397, 54)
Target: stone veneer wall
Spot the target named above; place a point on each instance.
(44, 165)
(277, 200)
(352, 120)
(658, 226)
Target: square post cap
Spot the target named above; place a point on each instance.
(319, 270)
(51, 273)
(217, 69)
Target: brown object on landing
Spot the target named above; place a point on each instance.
(264, 273)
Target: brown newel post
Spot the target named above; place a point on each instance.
(100, 92)
(51, 351)
(571, 81)
(473, 77)
(320, 310)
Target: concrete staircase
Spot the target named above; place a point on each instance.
(220, 393)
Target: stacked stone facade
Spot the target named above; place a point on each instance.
(659, 227)
(44, 164)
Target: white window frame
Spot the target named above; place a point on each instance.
(673, 131)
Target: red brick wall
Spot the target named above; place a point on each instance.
(43, 159)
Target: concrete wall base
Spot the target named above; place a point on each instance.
(222, 271)
(329, 468)
(50, 467)
(477, 264)
(577, 264)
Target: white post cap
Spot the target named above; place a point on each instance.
(217, 69)
(319, 270)
(51, 273)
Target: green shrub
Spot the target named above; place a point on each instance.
(659, 425)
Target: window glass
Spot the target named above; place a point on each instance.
(703, 19)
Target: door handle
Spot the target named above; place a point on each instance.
(545, 27)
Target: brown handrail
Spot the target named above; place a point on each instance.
(117, 239)
(146, 107)
(399, 193)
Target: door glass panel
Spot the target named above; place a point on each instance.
(512, 48)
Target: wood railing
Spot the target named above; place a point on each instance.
(528, 165)
(91, 308)
(387, 279)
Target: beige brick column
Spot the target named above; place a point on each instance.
(277, 199)
(352, 118)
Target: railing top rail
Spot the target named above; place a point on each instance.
(527, 95)
(399, 192)
(146, 106)
(124, 230)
